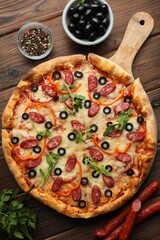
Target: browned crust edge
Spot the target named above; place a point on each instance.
(110, 67)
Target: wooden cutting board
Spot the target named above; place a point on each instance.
(137, 31)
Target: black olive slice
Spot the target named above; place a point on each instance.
(129, 127)
(95, 174)
(105, 145)
(85, 161)
(61, 151)
(140, 119)
(108, 193)
(57, 171)
(63, 115)
(14, 140)
(108, 168)
(55, 98)
(48, 125)
(31, 173)
(84, 181)
(37, 149)
(94, 128)
(87, 104)
(56, 75)
(82, 204)
(96, 95)
(78, 74)
(106, 110)
(102, 80)
(128, 99)
(71, 136)
(108, 124)
(130, 172)
(25, 116)
(34, 87)
(39, 137)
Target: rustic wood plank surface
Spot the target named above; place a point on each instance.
(13, 14)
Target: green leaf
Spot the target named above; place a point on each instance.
(45, 133)
(98, 167)
(156, 103)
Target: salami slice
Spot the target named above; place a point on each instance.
(33, 163)
(69, 78)
(123, 157)
(115, 133)
(92, 83)
(122, 106)
(49, 90)
(37, 117)
(54, 142)
(96, 154)
(28, 143)
(96, 194)
(109, 182)
(76, 194)
(136, 136)
(57, 183)
(68, 103)
(93, 110)
(108, 88)
(71, 163)
(76, 125)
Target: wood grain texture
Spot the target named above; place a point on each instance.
(146, 65)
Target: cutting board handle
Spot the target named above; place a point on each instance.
(137, 31)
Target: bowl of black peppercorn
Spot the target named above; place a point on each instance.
(35, 40)
(87, 22)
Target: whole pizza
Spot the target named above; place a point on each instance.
(79, 134)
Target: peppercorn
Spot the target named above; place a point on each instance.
(35, 42)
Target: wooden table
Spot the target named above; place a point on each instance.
(52, 225)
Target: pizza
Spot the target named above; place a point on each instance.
(79, 134)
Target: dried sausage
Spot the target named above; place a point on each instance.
(57, 183)
(76, 125)
(54, 142)
(93, 110)
(122, 106)
(96, 154)
(123, 157)
(69, 78)
(49, 90)
(33, 163)
(108, 88)
(28, 143)
(136, 136)
(96, 194)
(92, 83)
(76, 194)
(37, 117)
(71, 163)
(109, 182)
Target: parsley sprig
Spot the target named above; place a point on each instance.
(77, 100)
(98, 167)
(121, 122)
(52, 160)
(82, 135)
(15, 218)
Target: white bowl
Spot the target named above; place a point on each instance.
(65, 22)
(25, 29)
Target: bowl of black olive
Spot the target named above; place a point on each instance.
(35, 40)
(87, 22)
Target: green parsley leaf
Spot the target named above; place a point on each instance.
(45, 133)
(98, 167)
(15, 218)
(52, 160)
(82, 135)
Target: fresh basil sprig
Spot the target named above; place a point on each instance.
(52, 160)
(98, 167)
(121, 122)
(15, 218)
(77, 100)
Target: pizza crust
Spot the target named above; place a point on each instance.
(110, 67)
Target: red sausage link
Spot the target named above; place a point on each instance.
(28, 143)
(68, 103)
(109, 182)
(108, 88)
(37, 117)
(123, 157)
(54, 142)
(96, 194)
(71, 163)
(115, 133)
(57, 183)
(136, 136)
(33, 163)
(76, 125)
(69, 78)
(115, 221)
(76, 194)
(92, 83)
(144, 213)
(96, 154)
(122, 106)
(49, 90)
(93, 110)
